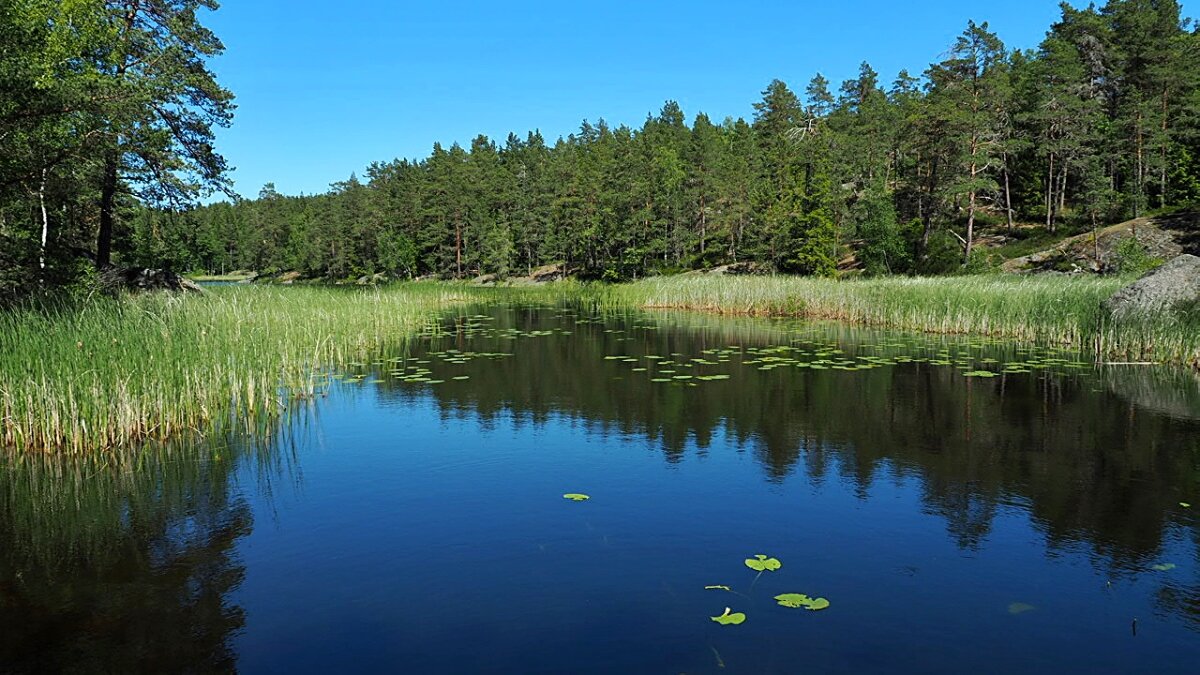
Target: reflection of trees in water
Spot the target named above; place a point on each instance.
(123, 563)
(1090, 464)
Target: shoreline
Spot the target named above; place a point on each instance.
(104, 374)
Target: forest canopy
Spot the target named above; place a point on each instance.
(1098, 123)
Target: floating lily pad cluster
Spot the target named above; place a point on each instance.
(763, 563)
(803, 346)
(817, 356)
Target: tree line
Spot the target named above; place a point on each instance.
(1099, 123)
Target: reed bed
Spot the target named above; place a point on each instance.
(108, 373)
(1046, 310)
(112, 371)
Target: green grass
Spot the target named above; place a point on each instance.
(1046, 310)
(112, 371)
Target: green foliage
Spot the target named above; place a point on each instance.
(1131, 257)
(884, 248)
(761, 563)
(727, 619)
(943, 255)
(798, 600)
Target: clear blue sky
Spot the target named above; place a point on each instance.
(325, 88)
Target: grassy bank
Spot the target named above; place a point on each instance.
(81, 378)
(97, 376)
(1047, 310)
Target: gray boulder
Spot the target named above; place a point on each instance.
(1175, 284)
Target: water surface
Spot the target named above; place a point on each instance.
(963, 506)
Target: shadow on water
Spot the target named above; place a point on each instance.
(124, 562)
(1100, 457)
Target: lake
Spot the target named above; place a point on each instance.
(962, 505)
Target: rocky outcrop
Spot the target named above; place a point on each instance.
(1164, 237)
(1171, 286)
(146, 279)
(546, 273)
(743, 269)
(542, 275)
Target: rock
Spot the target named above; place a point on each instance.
(288, 277)
(1167, 287)
(371, 280)
(743, 268)
(485, 280)
(549, 273)
(145, 279)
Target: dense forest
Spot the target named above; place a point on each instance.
(1099, 123)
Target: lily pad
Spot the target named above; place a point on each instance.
(761, 563)
(576, 497)
(728, 619)
(1185, 505)
(1163, 567)
(717, 587)
(797, 600)
(1020, 608)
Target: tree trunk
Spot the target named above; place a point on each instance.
(1162, 194)
(45, 228)
(1062, 189)
(1139, 179)
(108, 198)
(928, 216)
(108, 184)
(457, 248)
(1008, 210)
(1050, 195)
(970, 227)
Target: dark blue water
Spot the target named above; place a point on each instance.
(991, 524)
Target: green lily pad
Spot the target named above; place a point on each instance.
(728, 619)
(761, 563)
(1020, 608)
(797, 600)
(1185, 505)
(717, 587)
(576, 497)
(1163, 567)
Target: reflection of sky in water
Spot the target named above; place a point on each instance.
(991, 524)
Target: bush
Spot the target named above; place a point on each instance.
(1133, 258)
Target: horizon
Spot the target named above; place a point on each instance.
(384, 99)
